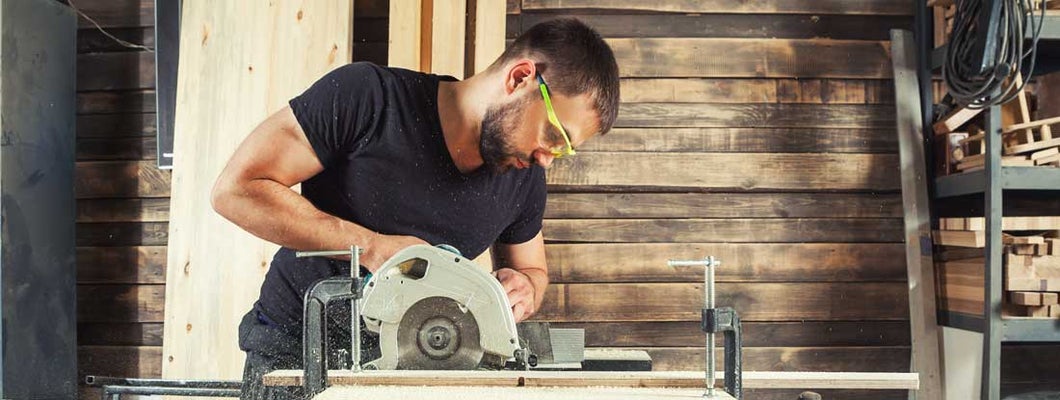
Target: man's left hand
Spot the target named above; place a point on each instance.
(520, 292)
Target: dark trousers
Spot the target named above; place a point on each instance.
(270, 348)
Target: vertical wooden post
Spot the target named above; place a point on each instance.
(447, 43)
(406, 34)
(490, 29)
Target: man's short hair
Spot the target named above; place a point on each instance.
(575, 60)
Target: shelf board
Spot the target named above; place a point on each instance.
(1013, 329)
(1012, 178)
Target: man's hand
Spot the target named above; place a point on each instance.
(382, 247)
(520, 292)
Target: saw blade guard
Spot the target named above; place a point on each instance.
(421, 271)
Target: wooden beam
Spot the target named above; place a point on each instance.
(683, 115)
(449, 26)
(574, 379)
(871, 7)
(490, 20)
(746, 140)
(406, 34)
(723, 205)
(925, 333)
(733, 230)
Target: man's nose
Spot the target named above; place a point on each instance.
(544, 158)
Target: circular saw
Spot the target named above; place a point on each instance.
(436, 310)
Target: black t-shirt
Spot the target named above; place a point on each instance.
(386, 167)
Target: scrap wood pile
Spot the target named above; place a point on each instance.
(1030, 264)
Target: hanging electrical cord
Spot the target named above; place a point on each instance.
(978, 75)
(123, 43)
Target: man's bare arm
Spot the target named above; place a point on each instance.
(254, 192)
(523, 272)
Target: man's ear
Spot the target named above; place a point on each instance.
(520, 73)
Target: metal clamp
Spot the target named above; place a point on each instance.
(314, 329)
(714, 321)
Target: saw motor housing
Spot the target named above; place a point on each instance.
(454, 308)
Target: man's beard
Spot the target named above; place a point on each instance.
(495, 143)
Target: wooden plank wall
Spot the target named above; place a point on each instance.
(123, 198)
(740, 136)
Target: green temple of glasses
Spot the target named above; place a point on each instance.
(557, 152)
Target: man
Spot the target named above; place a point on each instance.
(389, 158)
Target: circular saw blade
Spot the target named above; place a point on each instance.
(437, 334)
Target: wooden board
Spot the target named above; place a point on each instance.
(218, 104)
(119, 334)
(960, 238)
(754, 334)
(733, 230)
(681, 115)
(925, 332)
(115, 71)
(802, 172)
(123, 210)
(116, 125)
(120, 303)
(119, 148)
(122, 234)
(744, 140)
(723, 205)
(790, 26)
(874, 7)
(1007, 223)
(599, 302)
(489, 28)
(100, 179)
(134, 101)
(575, 379)
(132, 264)
(513, 393)
(751, 58)
(406, 28)
(796, 91)
(750, 262)
(449, 28)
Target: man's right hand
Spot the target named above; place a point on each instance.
(382, 247)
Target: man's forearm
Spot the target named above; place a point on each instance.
(273, 212)
(539, 280)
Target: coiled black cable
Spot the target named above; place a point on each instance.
(968, 80)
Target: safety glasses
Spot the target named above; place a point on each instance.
(561, 150)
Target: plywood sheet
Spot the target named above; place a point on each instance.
(239, 62)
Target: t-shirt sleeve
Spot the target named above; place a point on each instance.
(527, 223)
(339, 110)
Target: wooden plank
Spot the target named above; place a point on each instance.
(1026, 298)
(119, 334)
(728, 171)
(222, 103)
(925, 332)
(116, 125)
(448, 28)
(115, 71)
(1029, 147)
(955, 119)
(406, 34)
(743, 140)
(582, 379)
(714, 115)
(106, 102)
(108, 179)
(602, 302)
(123, 361)
(871, 7)
(1050, 298)
(122, 234)
(825, 359)
(688, 90)
(123, 210)
(120, 303)
(788, 26)
(512, 393)
(750, 262)
(753, 334)
(722, 205)
(117, 148)
(132, 264)
(1009, 239)
(730, 230)
(117, 13)
(488, 33)
(751, 58)
(1007, 223)
(960, 238)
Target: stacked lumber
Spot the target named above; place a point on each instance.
(1031, 265)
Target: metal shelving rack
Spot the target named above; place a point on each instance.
(990, 183)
